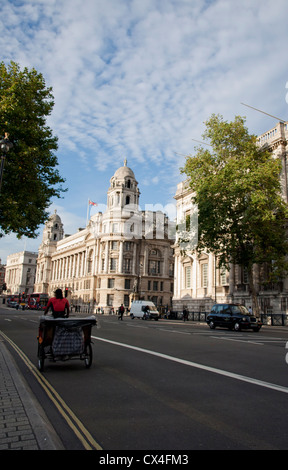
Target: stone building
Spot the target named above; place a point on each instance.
(121, 255)
(199, 283)
(20, 272)
(2, 278)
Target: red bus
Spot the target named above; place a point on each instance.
(37, 301)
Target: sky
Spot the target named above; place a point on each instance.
(137, 79)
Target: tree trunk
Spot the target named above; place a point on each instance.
(252, 289)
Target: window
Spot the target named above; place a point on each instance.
(110, 300)
(205, 275)
(245, 275)
(223, 277)
(113, 264)
(126, 265)
(114, 228)
(188, 277)
(154, 267)
(89, 263)
(114, 245)
(127, 283)
(127, 246)
(155, 285)
(111, 283)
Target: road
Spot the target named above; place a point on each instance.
(164, 385)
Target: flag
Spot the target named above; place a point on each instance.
(91, 203)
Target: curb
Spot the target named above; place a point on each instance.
(23, 423)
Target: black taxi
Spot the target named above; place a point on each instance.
(233, 316)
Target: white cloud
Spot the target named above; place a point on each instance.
(136, 79)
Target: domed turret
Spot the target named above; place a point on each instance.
(124, 172)
(53, 230)
(123, 189)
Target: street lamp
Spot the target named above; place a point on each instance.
(5, 146)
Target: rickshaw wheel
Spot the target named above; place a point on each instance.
(41, 358)
(88, 358)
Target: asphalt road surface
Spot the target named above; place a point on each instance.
(165, 385)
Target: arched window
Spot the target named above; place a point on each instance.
(89, 262)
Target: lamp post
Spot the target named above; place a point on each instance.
(5, 146)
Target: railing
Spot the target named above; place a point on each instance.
(193, 316)
(273, 319)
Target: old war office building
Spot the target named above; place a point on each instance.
(121, 255)
(199, 283)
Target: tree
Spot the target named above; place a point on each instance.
(241, 212)
(30, 177)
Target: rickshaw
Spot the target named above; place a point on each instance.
(60, 339)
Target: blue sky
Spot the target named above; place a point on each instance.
(136, 79)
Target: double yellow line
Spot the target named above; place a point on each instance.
(75, 424)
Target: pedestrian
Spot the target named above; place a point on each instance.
(146, 315)
(121, 312)
(185, 314)
(59, 305)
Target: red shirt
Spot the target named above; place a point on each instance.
(58, 305)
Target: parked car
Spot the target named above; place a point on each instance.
(233, 316)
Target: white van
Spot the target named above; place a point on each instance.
(144, 309)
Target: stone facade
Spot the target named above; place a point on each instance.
(20, 272)
(198, 281)
(121, 255)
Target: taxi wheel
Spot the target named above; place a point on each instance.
(237, 326)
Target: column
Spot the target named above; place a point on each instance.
(120, 261)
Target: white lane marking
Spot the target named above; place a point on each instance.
(237, 340)
(174, 331)
(243, 378)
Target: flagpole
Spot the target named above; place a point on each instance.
(90, 203)
(87, 213)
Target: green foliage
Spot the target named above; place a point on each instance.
(30, 177)
(241, 213)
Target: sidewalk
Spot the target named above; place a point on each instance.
(23, 423)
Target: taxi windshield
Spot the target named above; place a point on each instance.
(240, 309)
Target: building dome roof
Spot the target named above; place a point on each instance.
(124, 171)
(55, 217)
